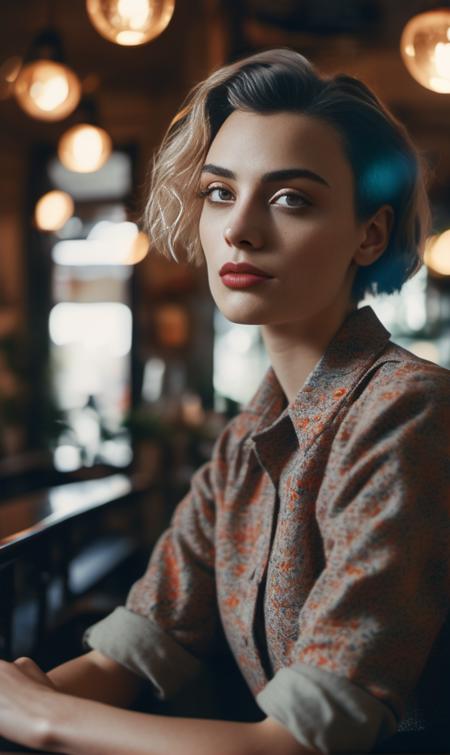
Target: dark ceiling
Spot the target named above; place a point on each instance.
(360, 37)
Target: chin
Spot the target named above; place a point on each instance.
(244, 320)
(242, 317)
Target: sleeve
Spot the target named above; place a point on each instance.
(369, 624)
(170, 624)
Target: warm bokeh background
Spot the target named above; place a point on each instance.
(80, 345)
(108, 367)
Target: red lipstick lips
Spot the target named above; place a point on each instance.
(241, 275)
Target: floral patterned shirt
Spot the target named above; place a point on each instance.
(316, 544)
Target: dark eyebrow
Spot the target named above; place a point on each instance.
(274, 175)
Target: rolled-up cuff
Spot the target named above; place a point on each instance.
(326, 712)
(141, 646)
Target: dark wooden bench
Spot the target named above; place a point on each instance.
(62, 537)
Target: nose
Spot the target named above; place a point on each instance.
(243, 233)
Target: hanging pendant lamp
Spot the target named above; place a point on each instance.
(53, 210)
(46, 88)
(425, 49)
(85, 147)
(130, 22)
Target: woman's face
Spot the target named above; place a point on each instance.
(280, 198)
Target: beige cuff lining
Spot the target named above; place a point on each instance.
(326, 712)
(142, 647)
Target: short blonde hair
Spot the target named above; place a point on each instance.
(387, 167)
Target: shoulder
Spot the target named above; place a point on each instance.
(393, 442)
(398, 374)
(400, 390)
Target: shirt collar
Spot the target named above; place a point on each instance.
(351, 351)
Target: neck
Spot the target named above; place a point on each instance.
(295, 348)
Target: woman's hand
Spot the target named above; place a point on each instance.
(31, 669)
(35, 714)
(26, 694)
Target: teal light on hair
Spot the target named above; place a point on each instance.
(384, 180)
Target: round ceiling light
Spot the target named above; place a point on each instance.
(437, 254)
(53, 210)
(130, 22)
(425, 49)
(84, 148)
(47, 90)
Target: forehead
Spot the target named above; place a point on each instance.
(260, 142)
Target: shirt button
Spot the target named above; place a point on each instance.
(252, 575)
(246, 641)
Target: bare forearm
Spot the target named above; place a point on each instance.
(78, 727)
(95, 677)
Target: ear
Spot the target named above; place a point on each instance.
(376, 232)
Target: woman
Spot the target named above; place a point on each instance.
(315, 543)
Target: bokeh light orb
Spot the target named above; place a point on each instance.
(84, 148)
(47, 90)
(437, 254)
(425, 49)
(130, 22)
(53, 210)
(139, 249)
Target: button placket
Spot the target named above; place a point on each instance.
(264, 450)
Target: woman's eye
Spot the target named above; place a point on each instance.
(216, 194)
(293, 200)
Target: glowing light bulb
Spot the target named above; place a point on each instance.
(49, 94)
(130, 22)
(84, 148)
(139, 249)
(442, 59)
(437, 254)
(47, 90)
(134, 12)
(53, 210)
(425, 49)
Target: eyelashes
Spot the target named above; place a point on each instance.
(207, 192)
(301, 201)
(298, 197)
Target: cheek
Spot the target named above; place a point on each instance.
(202, 229)
(307, 246)
(208, 220)
(318, 260)
(208, 241)
(208, 235)
(331, 240)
